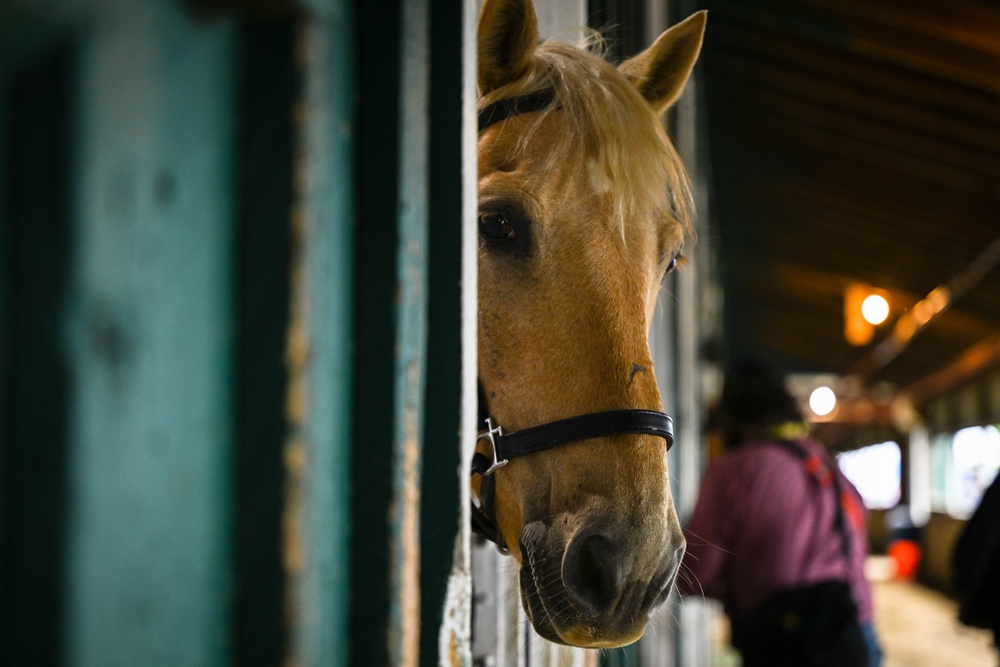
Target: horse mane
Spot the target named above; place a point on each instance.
(629, 156)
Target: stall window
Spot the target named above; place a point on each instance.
(876, 472)
(963, 465)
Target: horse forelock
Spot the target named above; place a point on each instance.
(629, 158)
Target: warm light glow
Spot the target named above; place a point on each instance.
(875, 308)
(822, 401)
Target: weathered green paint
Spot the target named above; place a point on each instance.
(322, 592)
(150, 339)
(196, 267)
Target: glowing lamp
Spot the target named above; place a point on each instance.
(865, 307)
(875, 308)
(822, 401)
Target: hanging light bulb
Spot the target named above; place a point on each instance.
(865, 307)
(822, 401)
(875, 309)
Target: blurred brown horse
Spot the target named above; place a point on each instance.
(583, 208)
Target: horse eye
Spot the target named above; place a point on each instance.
(495, 226)
(670, 265)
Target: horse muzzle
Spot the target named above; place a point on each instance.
(599, 589)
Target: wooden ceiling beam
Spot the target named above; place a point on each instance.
(855, 139)
(972, 26)
(927, 311)
(846, 98)
(780, 51)
(862, 216)
(973, 362)
(799, 131)
(920, 46)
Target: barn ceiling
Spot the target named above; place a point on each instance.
(854, 141)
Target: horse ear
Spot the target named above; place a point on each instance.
(661, 71)
(508, 34)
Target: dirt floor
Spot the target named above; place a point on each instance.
(918, 628)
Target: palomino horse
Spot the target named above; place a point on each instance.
(583, 208)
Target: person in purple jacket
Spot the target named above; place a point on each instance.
(778, 535)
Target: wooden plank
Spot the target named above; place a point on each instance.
(798, 82)
(35, 245)
(150, 341)
(947, 55)
(390, 330)
(451, 406)
(319, 482)
(972, 363)
(749, 36)
(970, 25)
(267, 92)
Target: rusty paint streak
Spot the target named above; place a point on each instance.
(407, 511)
(297, 358)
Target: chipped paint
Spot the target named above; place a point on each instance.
(406, 564)
(454, 637)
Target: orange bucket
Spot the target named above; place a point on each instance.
(906, 555)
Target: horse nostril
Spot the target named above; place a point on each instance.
(592, 574)
(660, 589)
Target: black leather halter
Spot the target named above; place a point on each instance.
(507, 446)
(582, 427)
(515, 106)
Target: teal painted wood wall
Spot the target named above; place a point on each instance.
(149, 341)
(140, 327)
(216, 319)
(322, 588)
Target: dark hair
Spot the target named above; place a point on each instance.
(753, 396)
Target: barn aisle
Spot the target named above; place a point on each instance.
(918, 628)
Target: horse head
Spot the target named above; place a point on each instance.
(583, 208)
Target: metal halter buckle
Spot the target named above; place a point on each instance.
(492, 433)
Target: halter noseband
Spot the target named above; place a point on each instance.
(582, 427)
(507, 446)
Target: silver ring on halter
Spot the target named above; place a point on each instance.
(492, 433)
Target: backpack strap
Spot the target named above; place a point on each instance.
(824, 471)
